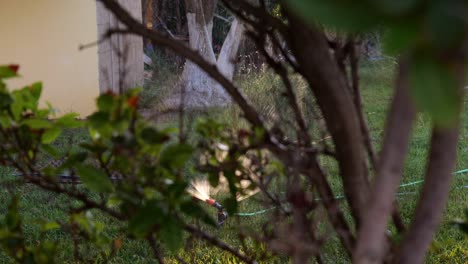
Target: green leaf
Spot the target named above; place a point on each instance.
(6, 72)
(193, 209)
(50, 135)
(99, 119)
(49, 226)
(400, 37)
(446, 24)
(105, 102)
(395, 7)
(69, 121)
(94, 179)
(172, 235)
(5, 121)
(152, 136)
(50, 150)
(36, 90)
(37, 123)
(230, 204)
(146, 218)
(13, 218)
(347, 15)
(175, 156)
(213, 178)
(434, 88)
(5, 100)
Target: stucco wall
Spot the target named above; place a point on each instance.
(43, 36)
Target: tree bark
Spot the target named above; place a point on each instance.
(431, 204)
(228, 55)
(433, 198)
(200, 89)
(326, 81)
(371, 242)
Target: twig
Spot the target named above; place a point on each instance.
(218, 243)
(156, 250)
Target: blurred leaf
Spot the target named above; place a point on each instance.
(152, 136)
(231, 205)
(36, 90)
(343, 14)
(105, 102)
(7, 72)
(99, 119)
(50, 135)
(94, 179)
(175, 156)
(37, 123)
(5, 121)
(146, 218)
(77, 157)
(49, 226)
(172, 235)
(13, 219)
(395, 7)
(95, 148)
(177, 190)
(52, 151)
(69, 121)
(213, 178)
(5, 100)
(446, 24)
(193, 209)
(400, 37)
(434, 88)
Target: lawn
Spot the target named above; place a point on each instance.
(450, 245)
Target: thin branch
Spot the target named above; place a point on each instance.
(317, 178)
(354, 65)
(260, 40)
(218, 243)
(156, 250)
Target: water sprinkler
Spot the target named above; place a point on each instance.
(222, 214)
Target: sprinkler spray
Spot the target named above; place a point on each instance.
(200, 189)
(222, 214)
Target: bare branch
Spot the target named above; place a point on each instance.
(218, 243)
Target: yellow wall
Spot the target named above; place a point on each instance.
(43, 37)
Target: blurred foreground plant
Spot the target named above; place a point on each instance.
(130, 170)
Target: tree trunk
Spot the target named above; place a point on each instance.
(228, 55)
(200, 89)
(178, 17)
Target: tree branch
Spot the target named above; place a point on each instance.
(218, 243)
(372, 237)
(327, 82)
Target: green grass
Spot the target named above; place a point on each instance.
(450, 246)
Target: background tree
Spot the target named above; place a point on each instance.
(200, 88)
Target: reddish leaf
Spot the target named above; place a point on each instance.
(133, 101)
(14, 67)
